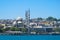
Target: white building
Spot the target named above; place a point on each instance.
(18, 22)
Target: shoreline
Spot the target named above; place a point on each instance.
(24, 34)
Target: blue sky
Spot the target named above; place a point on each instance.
(11, 9)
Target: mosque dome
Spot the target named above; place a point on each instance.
(14, 22)
(19, 18)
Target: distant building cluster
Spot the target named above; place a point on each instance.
(33, 24)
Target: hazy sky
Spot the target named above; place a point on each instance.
(10, 9)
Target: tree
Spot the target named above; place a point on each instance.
(58, 19)
(17, 29)
(6, 29)
(55, 19)
(39, 18)
(51, 19)
(1, 30)
(14, 29)
(56, 29)
(24, 29)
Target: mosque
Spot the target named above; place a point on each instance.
(18, 22)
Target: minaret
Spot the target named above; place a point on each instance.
(28, 20)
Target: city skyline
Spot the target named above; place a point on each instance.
(11, 9)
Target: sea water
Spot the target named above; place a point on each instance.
(29, 37)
